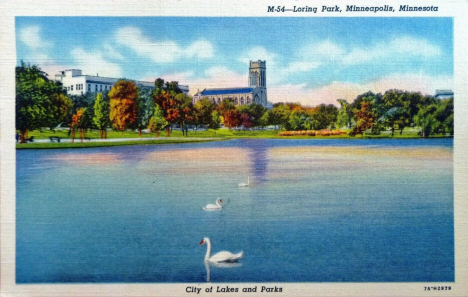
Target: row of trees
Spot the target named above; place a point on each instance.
(396, 110)
(41, 102)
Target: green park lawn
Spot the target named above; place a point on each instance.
(193, 136)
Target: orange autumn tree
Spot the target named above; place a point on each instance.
(165, 97)
(77, 122)
(123, 109)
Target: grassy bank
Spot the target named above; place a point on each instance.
(220, 133)
(86, 144)
(193, 136)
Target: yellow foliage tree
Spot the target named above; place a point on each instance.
(123, 109)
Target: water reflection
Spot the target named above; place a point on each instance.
(257, 152)
(218, 265)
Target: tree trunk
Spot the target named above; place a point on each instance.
(101, 133)
(139, 132)
(157, 133)
(22, 132)
(81, 135)
(167, 131)
(73, 135)
(393, 131)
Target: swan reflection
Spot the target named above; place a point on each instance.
(219, 265)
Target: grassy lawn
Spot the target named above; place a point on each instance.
(85, 144)
(220, 133)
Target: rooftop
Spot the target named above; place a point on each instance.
(227, 91)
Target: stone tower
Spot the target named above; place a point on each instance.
(257, 74)
(257, 80)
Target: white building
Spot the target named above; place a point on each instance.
(256, 92)
(78, 84)
(443, 94)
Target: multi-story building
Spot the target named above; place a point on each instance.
(256, 92)
(78, 84)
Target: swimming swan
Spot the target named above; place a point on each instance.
(245, 184)
(216, 206)
(220, 257)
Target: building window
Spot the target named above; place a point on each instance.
(100, 89)
(89, 87)
(96, 88)
(242, 101)
(71, 87)
(236, 101)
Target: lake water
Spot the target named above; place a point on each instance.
(316, 211)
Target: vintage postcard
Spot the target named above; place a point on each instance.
(268, 148)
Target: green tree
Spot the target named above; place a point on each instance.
(204, 112)
(186, 112)
(101, 115)
(60, 110)
(144, 108)
(157, 121)
(345, 114)
(297, 120)
(34, 96)
(400, 108)
(279, 115)
(444, 115)
(256, 112)
(324, 116)
(215, 120)
(426, 119)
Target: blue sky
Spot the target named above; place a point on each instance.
(309, 60)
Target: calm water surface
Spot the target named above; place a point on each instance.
(316, 211)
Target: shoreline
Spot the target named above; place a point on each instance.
(44, 143)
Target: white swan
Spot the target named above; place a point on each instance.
(216, 206)
(245, 184)
(220, 257)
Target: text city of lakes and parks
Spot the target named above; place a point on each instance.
(227, 289)
(352, 8)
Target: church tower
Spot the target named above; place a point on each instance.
(257, 80)
(257, 74)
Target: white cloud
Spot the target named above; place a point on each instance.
(92, 63)
(321, 51)
(202, 49)
(218, 77)
(31, 37)
(402, 47)
(166, 51)
(258, 53)
(214, 77)
(112, 52)
(328, 94)
(312, 97)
